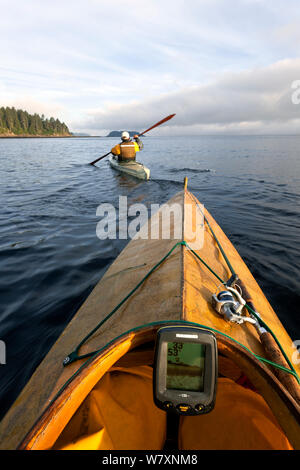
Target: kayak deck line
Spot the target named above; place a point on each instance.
(74, 356)
(94, 354)
(260, 324)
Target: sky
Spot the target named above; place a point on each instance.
(223, 66)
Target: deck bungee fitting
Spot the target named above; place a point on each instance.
(93, 390)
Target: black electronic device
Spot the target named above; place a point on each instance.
(185, 370)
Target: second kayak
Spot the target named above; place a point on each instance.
(136, 169)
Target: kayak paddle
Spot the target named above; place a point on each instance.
(142, 133)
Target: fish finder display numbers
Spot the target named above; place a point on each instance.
(174, 351)
(185, 366)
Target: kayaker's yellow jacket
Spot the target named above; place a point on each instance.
(127, 150)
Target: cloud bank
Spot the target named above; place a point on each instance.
(254, 101)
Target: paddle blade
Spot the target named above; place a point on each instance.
(158, 123)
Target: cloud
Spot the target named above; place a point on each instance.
(254, 100)
(126, 63)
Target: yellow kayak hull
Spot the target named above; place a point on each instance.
(180, 289)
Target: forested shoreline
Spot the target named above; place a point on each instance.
(18, 123)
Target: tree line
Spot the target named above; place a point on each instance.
(18, 122)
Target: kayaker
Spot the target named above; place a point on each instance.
(126, 150)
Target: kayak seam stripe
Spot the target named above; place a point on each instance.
(183, 292)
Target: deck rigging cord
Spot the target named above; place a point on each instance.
(74, 356)
(250, 308)
(92, 355)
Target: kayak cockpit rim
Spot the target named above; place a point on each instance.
(64, 405)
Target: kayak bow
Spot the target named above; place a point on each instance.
(103, 398)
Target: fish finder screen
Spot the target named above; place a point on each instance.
(185, 366)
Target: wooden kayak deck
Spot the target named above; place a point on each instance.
(180, 289)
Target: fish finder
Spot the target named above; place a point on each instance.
(185, 370)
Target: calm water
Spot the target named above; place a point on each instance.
(50, 257)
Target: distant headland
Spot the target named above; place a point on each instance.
(119, 133)
(19, 123)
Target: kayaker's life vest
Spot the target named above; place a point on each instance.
(126, 151)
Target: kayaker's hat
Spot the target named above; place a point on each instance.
(125, 135)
